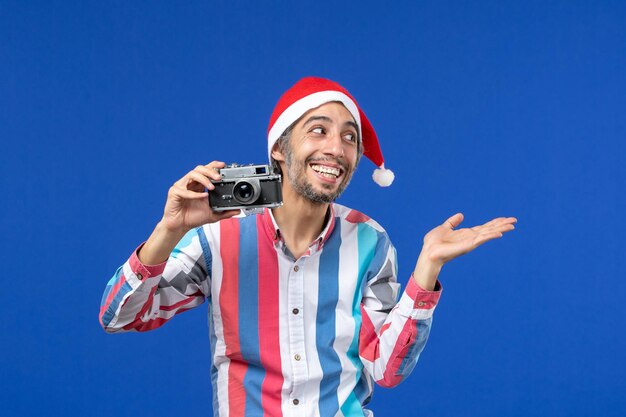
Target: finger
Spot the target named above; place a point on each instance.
(505, 220)
(227, 214)
(211, 171)
(185, 181)
(199, 178)
(495, 223)
(502, 220)
(453, 221)
(188, 194)
(486, 237)
(215, 164)
(494, 233)
(504, 227)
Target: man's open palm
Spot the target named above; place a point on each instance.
(445, 242)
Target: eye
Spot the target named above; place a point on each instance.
(318, 130)
(350, 137)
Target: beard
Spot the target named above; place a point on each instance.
(299, 181)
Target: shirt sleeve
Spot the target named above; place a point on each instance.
(393, 334)
(143, 297)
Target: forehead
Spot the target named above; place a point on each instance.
(334, 110)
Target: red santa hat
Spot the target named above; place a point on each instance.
(312, 92)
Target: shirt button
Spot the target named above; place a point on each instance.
(296, 268)
(139, 276)
(296, 402)
(295, 311)
(297, 357)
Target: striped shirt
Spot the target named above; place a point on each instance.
(289, 337)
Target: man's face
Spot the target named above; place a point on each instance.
(321, 154)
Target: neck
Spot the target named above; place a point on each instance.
(300, 221)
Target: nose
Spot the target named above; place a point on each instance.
(334, 145)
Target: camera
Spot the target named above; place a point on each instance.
(246, 187)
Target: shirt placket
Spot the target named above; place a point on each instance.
(297, 351)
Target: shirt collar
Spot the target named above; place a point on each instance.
(273, 230)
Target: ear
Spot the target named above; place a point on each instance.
(277, 154)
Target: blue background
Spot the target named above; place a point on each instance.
(489, 108)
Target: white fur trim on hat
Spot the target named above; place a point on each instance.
(383, 177)
(298, 108)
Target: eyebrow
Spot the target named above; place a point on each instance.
(328, 119)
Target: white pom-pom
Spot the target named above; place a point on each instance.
(383, 177)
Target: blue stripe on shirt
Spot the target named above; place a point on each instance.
(367, 239)
(369, 265)
(249, 314)
(328, 296)
(184, 242)
(214, 370)
(410, 360)
(111, 284)
(206, 251)
(110, 312)
(375, 250)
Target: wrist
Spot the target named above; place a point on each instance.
(427, 272)
(168, 233)
(160, 244)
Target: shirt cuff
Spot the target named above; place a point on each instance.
(417, 302)
(142, 271)
(422, 298)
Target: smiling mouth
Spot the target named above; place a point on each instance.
(326, 171)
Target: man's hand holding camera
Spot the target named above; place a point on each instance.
(187, 206)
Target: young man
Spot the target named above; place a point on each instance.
(303, 299)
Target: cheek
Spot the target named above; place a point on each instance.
(351, 154)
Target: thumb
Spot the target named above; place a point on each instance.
(453, 221)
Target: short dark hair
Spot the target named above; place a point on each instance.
(282, 143)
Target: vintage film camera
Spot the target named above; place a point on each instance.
(246, 187)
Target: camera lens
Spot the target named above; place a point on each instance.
(246, 192)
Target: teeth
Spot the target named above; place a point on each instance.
(326, 171)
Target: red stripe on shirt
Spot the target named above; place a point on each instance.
(137, 320)
(356, 217)
(269, 342)
(140, 326)
(182, 302)
(405, 339)
(368, 339)
(229, 307)
(151, 324)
